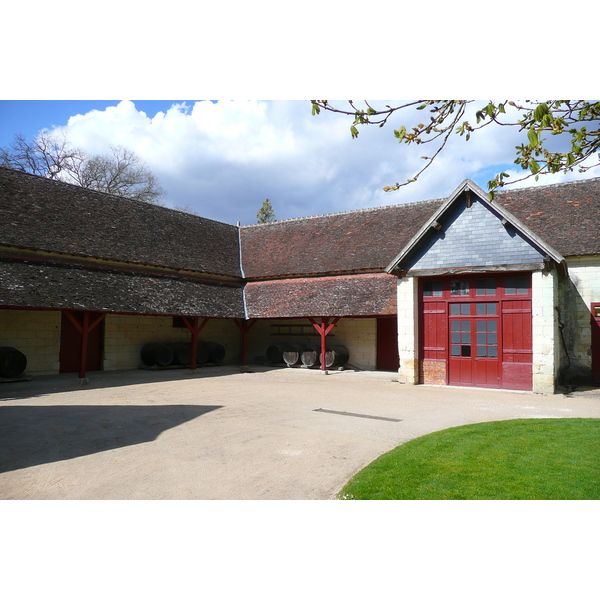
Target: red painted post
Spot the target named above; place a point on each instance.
(84, 344)
(323, 342)
(195, 331)
(324, 329)
(244, 325)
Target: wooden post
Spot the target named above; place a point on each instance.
(324, 329)
(84, 329)
(195, 331)
(244, 325)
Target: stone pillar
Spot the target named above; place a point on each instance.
(545, 342)
(408, 329)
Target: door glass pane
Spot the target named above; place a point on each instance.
(465, 309)
(465, 350)
(481, 352)
(455, 338)
(432, 288)
(455, 350)
(454, 325)
(459, 287)
(485, 287)
(492, 351)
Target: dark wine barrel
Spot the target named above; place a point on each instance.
(310, 357)
(275, 355)
(202, 354)
(157, 355)
(12, 362)
(336, 356)
(216, 352)
(292, 355)
(182, 353)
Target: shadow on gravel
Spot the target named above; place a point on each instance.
(35, 435)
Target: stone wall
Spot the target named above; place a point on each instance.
(577, 291)
(125, 335)
(408, 321)
(35, 333)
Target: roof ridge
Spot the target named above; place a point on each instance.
(344, 212)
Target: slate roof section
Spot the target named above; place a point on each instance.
(370, 294)
(38, 284)
(349, 242)
(39, 213)
(566, 216)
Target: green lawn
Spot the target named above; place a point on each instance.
(524, 459)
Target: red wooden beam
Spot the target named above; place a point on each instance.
(195, 330)
(324, 329)
(84, 329)
(244, 325)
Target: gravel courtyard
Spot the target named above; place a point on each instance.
(223, 434)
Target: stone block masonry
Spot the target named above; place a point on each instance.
(35, 333)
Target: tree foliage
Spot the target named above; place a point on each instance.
(266, 214)
(121, 172)
(575, 123)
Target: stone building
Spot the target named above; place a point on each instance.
(458, 291)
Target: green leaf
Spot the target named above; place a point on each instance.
(354, 132)
(533, 137)
(316, 109)
(400, 133)
(540, 111)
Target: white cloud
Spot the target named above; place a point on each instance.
(223, 159)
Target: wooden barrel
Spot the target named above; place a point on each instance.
(182, 353)
(275, 355)
(310, 357)
(12, 362)
(202, 354)
(292, 355)
(336, 356)
(216, 352)
(157, 354)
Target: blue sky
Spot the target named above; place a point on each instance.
(223, 159)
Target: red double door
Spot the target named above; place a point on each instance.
(481, 328)
(474, 357)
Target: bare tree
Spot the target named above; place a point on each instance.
(121, 172)
(48, 156)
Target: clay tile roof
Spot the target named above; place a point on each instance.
(566, 216)
(39, 213)
(361, 240)
(367, 294)
(41, 284)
